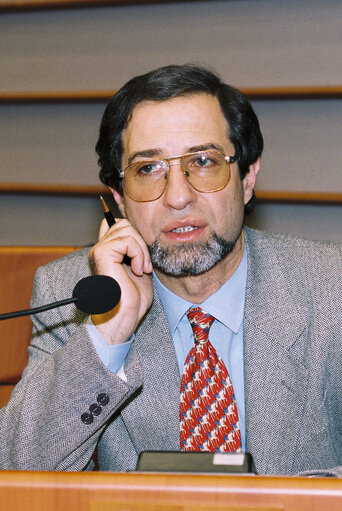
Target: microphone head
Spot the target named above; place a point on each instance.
(96, 294)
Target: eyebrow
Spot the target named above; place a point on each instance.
(154, 153)
(149, 153)
(205, 147)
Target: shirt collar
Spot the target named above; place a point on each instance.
(226, 304)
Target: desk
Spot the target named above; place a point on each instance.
(108, 491)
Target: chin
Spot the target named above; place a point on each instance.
(190, 258)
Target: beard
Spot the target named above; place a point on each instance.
(190, 258)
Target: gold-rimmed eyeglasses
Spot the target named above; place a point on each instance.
(206, 171)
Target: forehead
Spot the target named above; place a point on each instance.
(173, 123)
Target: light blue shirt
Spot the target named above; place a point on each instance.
(225, 334)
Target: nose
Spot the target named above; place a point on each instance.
(178, 192)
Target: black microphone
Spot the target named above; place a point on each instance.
(93, 295)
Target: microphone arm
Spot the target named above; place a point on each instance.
(95, 294)
(42, 308)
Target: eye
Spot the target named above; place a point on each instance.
(203, 161)
(149, 168)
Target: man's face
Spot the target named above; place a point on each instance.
(187, 231)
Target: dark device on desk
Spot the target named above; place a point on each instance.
(204, 462)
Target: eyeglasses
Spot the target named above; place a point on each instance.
(206, 171)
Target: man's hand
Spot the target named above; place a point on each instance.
(106, 258)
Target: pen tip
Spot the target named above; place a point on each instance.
(103, 204)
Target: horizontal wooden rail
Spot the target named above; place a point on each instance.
(95, 190)
(35, 5)
(253, 93)
(296, 197)
(294, 92)
(52, 189)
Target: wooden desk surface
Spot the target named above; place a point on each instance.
(106, 491)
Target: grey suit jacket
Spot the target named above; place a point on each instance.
(292, 365)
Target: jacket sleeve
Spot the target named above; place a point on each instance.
(66, 395)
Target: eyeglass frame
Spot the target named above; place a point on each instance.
(229, 160)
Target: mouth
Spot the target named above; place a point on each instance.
(186, 228)
(184, 231)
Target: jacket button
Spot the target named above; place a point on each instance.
(87, 418)
(95, 409)
(103, 399)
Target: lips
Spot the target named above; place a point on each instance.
(186, 228)
(189, 229)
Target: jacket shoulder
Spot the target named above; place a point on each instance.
(295, 246)
(301, 262)
(61, 275)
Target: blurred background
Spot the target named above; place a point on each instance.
(61, 61)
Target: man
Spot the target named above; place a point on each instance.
(181, 153)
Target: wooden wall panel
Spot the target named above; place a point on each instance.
(17, 268)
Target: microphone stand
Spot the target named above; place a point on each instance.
(94, 294)
(42, 308)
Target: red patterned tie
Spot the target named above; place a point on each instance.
(208, 413)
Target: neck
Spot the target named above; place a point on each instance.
(197, 288)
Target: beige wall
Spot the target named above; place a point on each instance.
(249, 42)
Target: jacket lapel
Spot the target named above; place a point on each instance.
(152, 416)
(274, 354)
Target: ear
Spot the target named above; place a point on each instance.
(249, 180)
(120, 201)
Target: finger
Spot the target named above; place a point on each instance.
(126, 229)
(135, 250)
(107, 255)
(123, 228)
(103, 229)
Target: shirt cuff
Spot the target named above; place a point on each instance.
(112, 356)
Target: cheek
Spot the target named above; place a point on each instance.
(142, 217)
(231, 212)
(238, 195)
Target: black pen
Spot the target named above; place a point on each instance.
(111, 221)
(107, 213)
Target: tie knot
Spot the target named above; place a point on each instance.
(200, 322)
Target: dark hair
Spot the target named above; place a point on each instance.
(166, 83)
